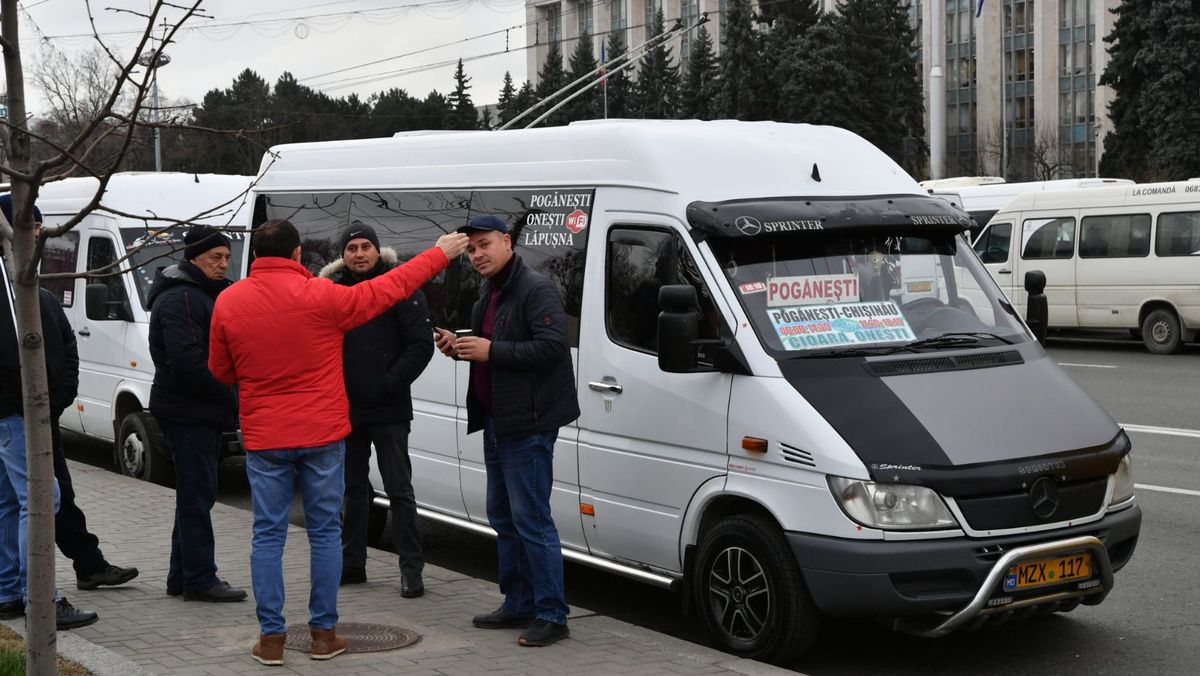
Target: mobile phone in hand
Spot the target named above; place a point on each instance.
(464, 333)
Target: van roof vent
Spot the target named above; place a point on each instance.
(965, 362)
(796, 455)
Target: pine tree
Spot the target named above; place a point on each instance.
(815, 84)
(552, 78)
(526, 98)
(1125, 144)
(583, 61)
(1168, 110)
(656, 93)
(700, 85)
(878, 41)
(617, 90)
(741, 65)
(462, 113)
(786, 21)
(508, 99)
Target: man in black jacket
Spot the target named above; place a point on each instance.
(522, 389)
(62, 376)
(380, 361)
(192, 407)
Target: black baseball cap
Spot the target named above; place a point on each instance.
(485, 222)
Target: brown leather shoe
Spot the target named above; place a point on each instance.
(269, 649)
(325, 644)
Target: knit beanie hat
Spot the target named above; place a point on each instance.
(358, 230)
(6, 207)
(201, 238)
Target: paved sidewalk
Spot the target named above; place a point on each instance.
(162, 635)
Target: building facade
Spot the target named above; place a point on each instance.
(1021, 76)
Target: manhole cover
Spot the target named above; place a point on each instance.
(360, 638)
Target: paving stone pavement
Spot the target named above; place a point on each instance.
(165, 635)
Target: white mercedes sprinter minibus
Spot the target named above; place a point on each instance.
(1119, 257)
(111, 318)
(983, 200)
(770, 422)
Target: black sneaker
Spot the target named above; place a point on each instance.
(353, 575)
(108, 576)
(501, 619)
(220, 592)
(411, 585)
(67, 616)
(174, 591)
(543, 633)
(12, 609)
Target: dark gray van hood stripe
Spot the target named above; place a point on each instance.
(865, 411)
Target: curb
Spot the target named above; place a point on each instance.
(95, 658)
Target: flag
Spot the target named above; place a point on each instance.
(979, 10)
(603, 76)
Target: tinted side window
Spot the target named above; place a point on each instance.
(1178, 234)
(102, 252)
(993, 245)
(61, 255)
(638, 263)
(1114, 236)
(1048, 238)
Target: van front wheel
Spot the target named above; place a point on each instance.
(750, 594)
(141, 450)
(1161, 332)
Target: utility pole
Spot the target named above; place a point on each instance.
(937, 89)
(147, 60)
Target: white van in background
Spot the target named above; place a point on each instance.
(1117, 257)
(109, 314)
(985, 199)
(780, 417)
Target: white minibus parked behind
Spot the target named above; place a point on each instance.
(983, 200)
(1117, 257)
(110, 314)
(802, 396)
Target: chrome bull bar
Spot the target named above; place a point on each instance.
(979, 605)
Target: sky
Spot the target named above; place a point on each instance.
(309, 38)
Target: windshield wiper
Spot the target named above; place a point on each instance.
(849, 352)
(952, 339)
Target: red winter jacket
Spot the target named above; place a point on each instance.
(277, 335)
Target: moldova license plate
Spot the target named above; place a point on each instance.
(1046, 572)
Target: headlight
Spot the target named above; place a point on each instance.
(1122, 482)
(891, 506)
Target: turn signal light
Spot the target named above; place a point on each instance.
(754, 444)
(587, 509)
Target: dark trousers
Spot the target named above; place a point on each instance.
(70, 525)
(195, 449)
(391, 445)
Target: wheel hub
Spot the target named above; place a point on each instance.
(740, 594)
(131, 455)
(1160, 332)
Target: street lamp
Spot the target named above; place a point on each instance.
(148, 60)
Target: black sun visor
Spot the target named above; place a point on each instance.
(784, 215)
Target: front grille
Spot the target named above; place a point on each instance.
(966, 362)
(1015, 510)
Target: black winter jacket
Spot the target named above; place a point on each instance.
(62, 360)
(533, 382)
(184, 390)
(382, 358)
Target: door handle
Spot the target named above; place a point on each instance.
(84, 332)
(1004, 271)
(605, 387)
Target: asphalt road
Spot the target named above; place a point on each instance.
(1149, 624)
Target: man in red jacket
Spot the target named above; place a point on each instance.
(277, 335)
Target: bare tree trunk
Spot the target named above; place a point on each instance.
(41, 638)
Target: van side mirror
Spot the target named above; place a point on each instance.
(678, 327)
(100, 306)
(1037, 309)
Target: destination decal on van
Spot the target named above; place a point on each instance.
(554, 219)
(810, 327)
(812, 290)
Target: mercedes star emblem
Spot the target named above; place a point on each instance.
(748, 225)
(1043, 497)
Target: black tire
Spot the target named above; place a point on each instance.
(376, 521)
(1162, 333)
(750, 594)
(141, 451)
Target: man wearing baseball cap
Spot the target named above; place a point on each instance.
(521, 391)
(192, 407)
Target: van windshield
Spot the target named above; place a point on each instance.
(154, 251)
(850, 292)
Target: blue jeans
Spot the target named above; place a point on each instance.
(194, 450)
(272, 475)
(520, 475)
(14, 509)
